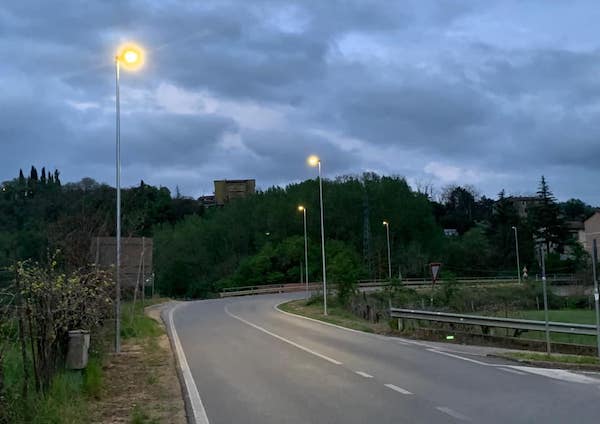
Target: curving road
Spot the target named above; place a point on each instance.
(252, 363)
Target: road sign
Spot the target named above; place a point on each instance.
(435, 270)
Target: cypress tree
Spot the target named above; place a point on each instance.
(43, 177)
(33, 174)
(549, 226)
(21, 177)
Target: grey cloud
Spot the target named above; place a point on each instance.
(465, 102)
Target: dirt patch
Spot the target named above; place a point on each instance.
(140, 385)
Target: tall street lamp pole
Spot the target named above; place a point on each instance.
(131, 58)
(303, 210)
(315, 161)
(389, 255)
(517, 249)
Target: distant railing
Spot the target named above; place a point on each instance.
(417, 282)
(486, 322)
(267, 289)
(366, 284)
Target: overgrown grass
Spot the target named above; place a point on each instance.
(569, 359)
(313, 308)
(578, 316)
(67, 399)
(140, 417)
(135, 324)
(63, 403)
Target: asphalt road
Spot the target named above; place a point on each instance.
(254, 364)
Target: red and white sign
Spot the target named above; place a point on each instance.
(435, 270)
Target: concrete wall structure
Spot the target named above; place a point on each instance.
(227, 190)
(136, 257)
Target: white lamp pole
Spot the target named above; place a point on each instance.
(303, 209)
(389, 254)
(315, 161)
(131, 57)
(118, 235)
(517, 249)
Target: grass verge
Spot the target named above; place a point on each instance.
(542, 357)
(137, 386)
(313, 308)
(140, 385)
(578, 316)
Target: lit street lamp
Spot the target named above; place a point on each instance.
(303, 210)
(517, 248)
(130, 57)
(387, 230)
(315, 161)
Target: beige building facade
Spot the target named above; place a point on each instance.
(591, 231)
(227, 190)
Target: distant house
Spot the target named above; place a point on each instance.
(450, 232)
(227, 190)
(591, 231)
(207, 201)
(523, 204)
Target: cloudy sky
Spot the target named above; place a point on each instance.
(492, 94)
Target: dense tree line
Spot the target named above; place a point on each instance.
(39, 214)
(259, 239)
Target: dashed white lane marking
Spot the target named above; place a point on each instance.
(452, 413)
(283, 339)
(398, 389)
(363, 374)
(510, 370)
(198, 410)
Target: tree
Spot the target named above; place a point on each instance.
(501, 232)
(21, 178)
(548, 225)
(459, 204)
(576, 210)
(43, 177)
(33, 175)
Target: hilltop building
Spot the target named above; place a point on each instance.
(227, 190)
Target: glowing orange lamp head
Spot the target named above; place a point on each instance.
(130, 56)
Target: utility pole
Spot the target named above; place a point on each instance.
(547, 330)
(517, 249)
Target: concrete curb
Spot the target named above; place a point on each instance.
(548, 364)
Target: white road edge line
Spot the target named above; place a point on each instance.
(462, 358)
(512, 371)
(198, 410)
(452, 413)
(363, 374)
(352, 330)
(398, 389)
(283, 339)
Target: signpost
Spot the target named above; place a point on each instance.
(435, 271)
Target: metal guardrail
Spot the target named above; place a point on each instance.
(424, 282)
(267, 289)
(512, 323)
(365, 284)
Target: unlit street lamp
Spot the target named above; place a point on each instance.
(389, 254)
(303, 210)
(517, 248)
